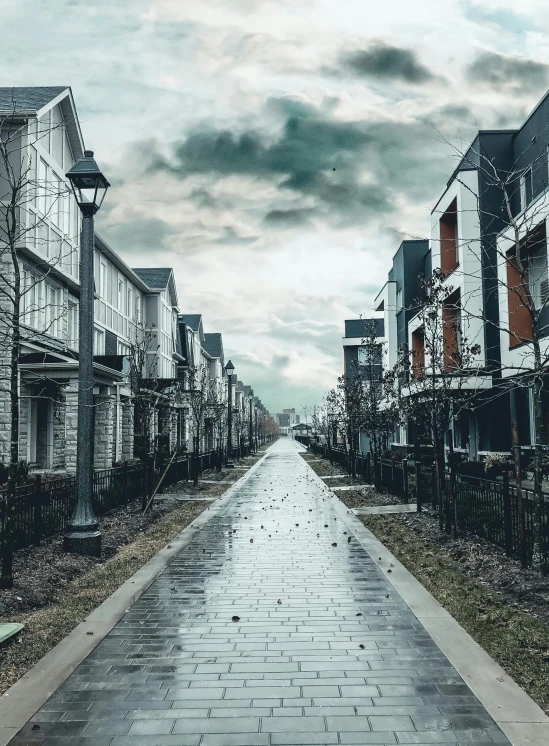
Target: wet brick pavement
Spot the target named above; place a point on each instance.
(271, 627)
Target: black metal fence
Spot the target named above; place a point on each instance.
(44, 507)
(486, 507)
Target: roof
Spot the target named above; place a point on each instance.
(213, 344)
(28, 99)
(192, 320)
(154, 277)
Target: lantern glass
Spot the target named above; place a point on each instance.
(88, 184)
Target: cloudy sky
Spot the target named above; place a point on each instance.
(274, 152)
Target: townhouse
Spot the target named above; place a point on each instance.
(495, 200)
(145, 350)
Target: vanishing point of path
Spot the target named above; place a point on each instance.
(274, 626)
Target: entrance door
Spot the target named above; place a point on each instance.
(44, 433)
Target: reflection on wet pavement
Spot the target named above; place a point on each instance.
(274, 626)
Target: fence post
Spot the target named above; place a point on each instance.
(419, 492)
(507, 519)
(150, 483)
(405, 479)
(125, 484)
(434, 487)
(38, 510)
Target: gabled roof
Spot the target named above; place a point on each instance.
(157, 278)
(239, 386)
(192, 320)
(29, 102)
(213, 344)
(28, 99)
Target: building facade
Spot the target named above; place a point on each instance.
(146, 353)
(488, 246)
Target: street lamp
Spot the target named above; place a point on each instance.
(256, 430)
(82, 535)
(251, 402)
(229, 369)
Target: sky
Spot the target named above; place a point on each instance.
(275, 153)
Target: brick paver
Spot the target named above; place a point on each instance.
(274, 626)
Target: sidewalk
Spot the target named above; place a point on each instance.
(275, 626)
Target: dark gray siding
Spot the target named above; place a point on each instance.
(111, 343)
(360, 328)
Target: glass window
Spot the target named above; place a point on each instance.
(98, 342)
(103, 288)
(42, 237)
(72, 326)
(526, 188)
(537, 275)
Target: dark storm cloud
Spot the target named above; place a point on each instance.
(506, 73)
(386, 62)
(316, 156)
(288, 218)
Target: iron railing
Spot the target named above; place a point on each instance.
(486, 507)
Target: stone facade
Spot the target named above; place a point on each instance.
(71, 425)
(104, 405)
(59, 432)
(127, 429)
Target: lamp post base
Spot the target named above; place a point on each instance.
(81, 540)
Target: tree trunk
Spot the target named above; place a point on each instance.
(6, 577)
(539, 558)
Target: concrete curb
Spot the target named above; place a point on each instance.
(27, 695)
(519, 717)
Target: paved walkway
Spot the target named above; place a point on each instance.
(274, 626)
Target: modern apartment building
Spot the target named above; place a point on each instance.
(495, 200)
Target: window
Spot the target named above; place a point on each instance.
(123, 348)
(30, 298)
(448, 226)
(399, 301)
(120, 295)
(526, 189)
(98, 342)
(103, 281)
(451, 332)
(418, 353)
(72, 326)
(538, 279)
(55, 310)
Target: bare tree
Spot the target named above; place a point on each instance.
(21, 305)
(438, 377)
(512, 252)
(198, 393)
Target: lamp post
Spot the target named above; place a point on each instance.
(82, 535)
(256, 431)
(229, 369)
(251, 428)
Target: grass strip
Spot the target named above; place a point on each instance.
(518, 641)
(46, 627)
